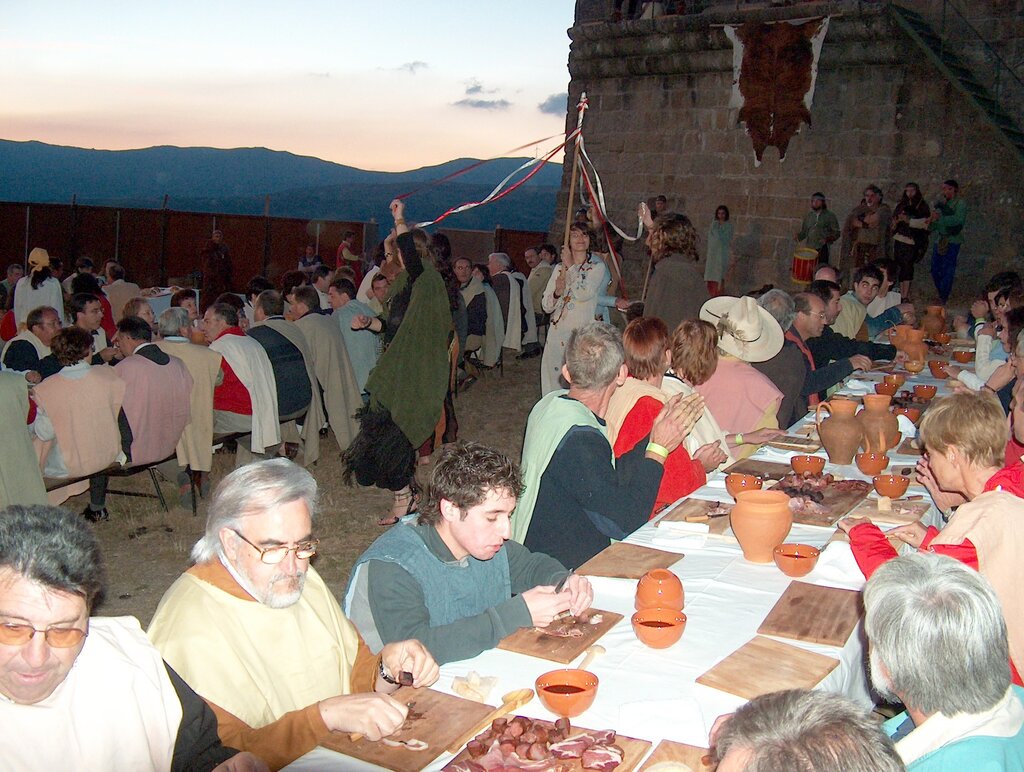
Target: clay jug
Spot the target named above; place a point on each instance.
(898, 335)
(934, 321)
(881, 428)
(761, 521)
(841, 432)
(914, 345)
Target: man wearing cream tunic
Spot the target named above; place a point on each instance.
(254, 630)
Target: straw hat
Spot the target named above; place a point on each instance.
(745, 330)
(38, 259)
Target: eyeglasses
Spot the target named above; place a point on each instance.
(274, 555)
(57, 637)
(820, 314)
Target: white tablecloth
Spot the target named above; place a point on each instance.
(653, 694)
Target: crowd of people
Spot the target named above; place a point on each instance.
(251, 650)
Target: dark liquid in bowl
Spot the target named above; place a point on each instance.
(656, 623)
(563, 689)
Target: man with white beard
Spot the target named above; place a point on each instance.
(256, 632)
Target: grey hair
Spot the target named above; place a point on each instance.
(53, 547)
(253, 489)
(594, 355)
(171, 321)
(937, 627)
(780, 305)
(503, 259)
(801, 729)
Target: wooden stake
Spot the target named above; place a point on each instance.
(580, 108)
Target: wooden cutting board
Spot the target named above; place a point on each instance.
(903, 512)
(814, 614)
(627, 561)
(797, 442)
(529, 640)
(762, 665)
(444, 718)
(669, 752)
(767, 470)
(837, 503)
(633, 751)
(696, 508)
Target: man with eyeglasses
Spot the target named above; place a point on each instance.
(808, 324)
(81, 692)
(255, 631)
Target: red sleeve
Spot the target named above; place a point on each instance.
(965, 551)
(870, 547)
(8, 327)
(682, 473)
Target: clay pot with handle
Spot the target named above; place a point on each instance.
(880, 427)
(914, 345)
(841, 433)
(761, 521)
(934, 321)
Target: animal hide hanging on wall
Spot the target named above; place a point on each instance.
(774, 69)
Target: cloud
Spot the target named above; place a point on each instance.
(554, 104)
(412, 67)
(473, 86)
(484, 104)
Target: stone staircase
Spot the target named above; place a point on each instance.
(948, 39)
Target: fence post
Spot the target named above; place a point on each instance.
(266, 234)
(164, 222)
(28, 224)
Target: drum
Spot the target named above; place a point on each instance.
(805, 262)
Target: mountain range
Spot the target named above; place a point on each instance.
(235, 181)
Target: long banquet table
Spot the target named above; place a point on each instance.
(653, 694)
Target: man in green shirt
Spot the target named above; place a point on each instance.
(453, 577)
(819, 228)
(947, 222)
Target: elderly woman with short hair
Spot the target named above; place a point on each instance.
(634, 406)
(964, 440)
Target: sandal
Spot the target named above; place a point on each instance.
(401, 497)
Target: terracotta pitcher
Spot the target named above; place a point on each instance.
(934, 321)
(914, 345)
(898, 335)
(841, 432)
(880, 427)
(761, 521)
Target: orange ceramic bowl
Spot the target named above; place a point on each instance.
(925, 391)
(891, 485)
(938, 368)
(796, 559)
(888, 389)
(896, 379)
(659, 588)
(963, 357)
(872, 463)
(736, 483)
(914, 366)
(813, 464)
(913, 413)
(567, 692)
(659, 628)
(943, 338)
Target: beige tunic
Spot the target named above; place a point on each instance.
(195, 448)
(20, 479)
(335, 374)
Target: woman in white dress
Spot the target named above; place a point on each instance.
(571, 298)
(38, 288)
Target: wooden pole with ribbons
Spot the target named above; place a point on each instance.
(581, 108)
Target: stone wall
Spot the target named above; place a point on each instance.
(659, 122)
